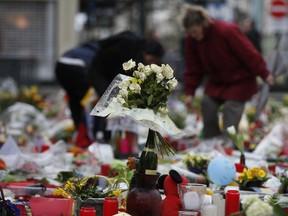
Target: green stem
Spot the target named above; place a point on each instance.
(4, 206)
(242, 159)
(164, 146)
(148, 160)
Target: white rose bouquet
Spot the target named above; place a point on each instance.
(148, 88)
(253, 206)
(143, 97)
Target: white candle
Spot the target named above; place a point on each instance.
(209, 210)
(191, 201)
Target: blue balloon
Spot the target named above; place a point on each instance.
(221, 171)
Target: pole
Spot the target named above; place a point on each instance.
(140, 5)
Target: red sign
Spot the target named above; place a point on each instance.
(278, 8)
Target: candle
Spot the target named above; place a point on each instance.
(232, 203)
(209, 210)
(239, 167)
(219, 201)
(124, 144)
(105, 169)
(191, 201)
(110, 206)
(186, 213)
(87, 211)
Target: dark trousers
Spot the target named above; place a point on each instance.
(232, 113)
(73, 80)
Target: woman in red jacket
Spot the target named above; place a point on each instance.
(220, 52)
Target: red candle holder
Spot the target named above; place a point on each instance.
(232, 202)
(239, 167)
(105, 169)
(87, 211)
(110, 206)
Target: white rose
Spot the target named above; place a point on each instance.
(159, 77)
(141, 66)
(129, 65)
(135, 87)
(167, 71)
(120, 99)
(157, 69)
(259, 208)
(147, 70)
(124, 84)
(249, 200)
(140, 75)
(231, 130)
(123, 92)
(172, 84)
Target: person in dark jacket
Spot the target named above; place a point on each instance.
(71, 71)
(252, 33)
(116, 50)
(220, 52)
(96, 63)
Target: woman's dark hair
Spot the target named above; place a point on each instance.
(154, 48)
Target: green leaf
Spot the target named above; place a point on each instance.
(149, 100)
(278, 211)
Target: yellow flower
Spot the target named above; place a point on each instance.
(117, 193)
(250, 174)
(209, 192)
(26, 93)
(5, 95)
(241, 177)
(61, 192)
(255, 169)
(244, 171)
(198, 159)
(37, 97)
(69, 127)
(34, 89)
(261, 173)
(69, 185)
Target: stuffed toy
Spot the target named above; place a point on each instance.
(171, 204)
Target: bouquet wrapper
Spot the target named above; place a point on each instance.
(51, 206)
(274, 142)
(108, 106)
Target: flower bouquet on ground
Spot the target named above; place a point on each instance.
(283, 188)
(253, 177)
(196, 163)
(89, 191)
(7, 208)
(88, 187)
(253, 205)
(31, 95)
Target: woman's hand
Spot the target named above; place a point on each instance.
(188, 101)
(269, 80)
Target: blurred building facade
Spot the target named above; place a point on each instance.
(34, 33)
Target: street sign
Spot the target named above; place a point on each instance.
(278, 9)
